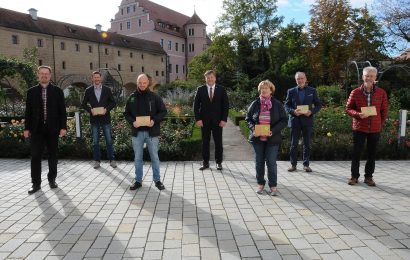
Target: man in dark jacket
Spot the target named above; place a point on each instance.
(45, 121)
(368, 107)
(99, 101)
(144, 111)
(301, 103)
(211, 108)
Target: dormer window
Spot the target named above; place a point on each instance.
(71, 29)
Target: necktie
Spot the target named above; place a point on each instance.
(211, 94)
(44, 96)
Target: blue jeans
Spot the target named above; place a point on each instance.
(295, 135)
(95, 131)
(138, 146)
(265, 152)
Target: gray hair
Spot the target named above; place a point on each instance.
(369, 69)
(299, 72)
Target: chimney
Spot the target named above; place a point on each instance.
(98, 27)
(33, 13)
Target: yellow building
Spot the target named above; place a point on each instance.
(74, 51)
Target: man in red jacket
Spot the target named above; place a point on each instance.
(368, 106)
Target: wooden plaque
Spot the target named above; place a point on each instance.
(262, 130)
(143, 120)
(303, 108)
(98, 110)
(369, 111)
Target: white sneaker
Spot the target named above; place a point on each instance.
(273, 191)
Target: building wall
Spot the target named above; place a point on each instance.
(138, 24)
(81, 60)
(197, 39)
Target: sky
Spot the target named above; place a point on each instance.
(91, 12)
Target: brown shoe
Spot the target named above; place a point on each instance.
(353, 181)
(369, 181)
(292, 168)
(307, 169)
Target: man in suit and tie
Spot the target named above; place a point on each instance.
(45, 121)
(99, 101)
(211, 107)
(302, 102)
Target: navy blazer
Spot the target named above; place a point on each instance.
(56, 113)
(106, 100)
(292, 101)
(211, 112)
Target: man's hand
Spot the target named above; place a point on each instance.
(151, 123)
(361, 115)
(26, 133)
(297, 112)
(199, 123)
(93, 112)
(308, 113)
(222, 124)
(63, 132)
(135, 124)
(104, 111)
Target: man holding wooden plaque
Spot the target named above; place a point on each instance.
(99, 101)
(368, 107)
(144, 111)
(302, 102)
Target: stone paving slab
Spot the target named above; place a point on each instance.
(204, 215)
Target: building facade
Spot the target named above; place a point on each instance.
(74, 51)
(181, 36)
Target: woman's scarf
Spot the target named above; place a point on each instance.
(266, 104)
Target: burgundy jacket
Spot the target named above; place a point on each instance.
(357, 99)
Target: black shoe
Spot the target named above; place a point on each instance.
(34, 189)
(52, 184)
(159, 185)
(219, 166)
(204, 166)
(136, 185)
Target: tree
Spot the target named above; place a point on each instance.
(14, 68)
(329, 35)
(395, 15)
(369, 39)
(220, 56)
(288, 50)
(251, 24)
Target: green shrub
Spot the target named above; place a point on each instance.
(236, 116)
(243, 126)
(240, 100)
(331, 95)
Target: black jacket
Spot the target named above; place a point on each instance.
(145, 104)
(278, 120)
(56, 113)
(211, 112)
(106, 100)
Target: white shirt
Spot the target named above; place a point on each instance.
(209, 90)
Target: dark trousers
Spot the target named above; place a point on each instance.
(294, 142)
(359, 138)
(38, 142)
(216, 131)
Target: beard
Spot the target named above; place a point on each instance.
(143, 91)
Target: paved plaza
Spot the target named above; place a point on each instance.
(204, 215)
